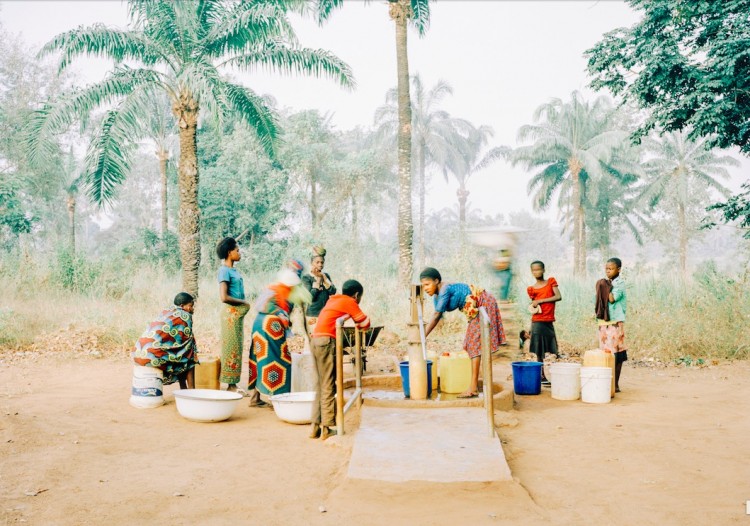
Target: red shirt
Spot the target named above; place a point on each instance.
(337, 306)
(548, 309)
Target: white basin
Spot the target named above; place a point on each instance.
(206, 405)
(295, 408)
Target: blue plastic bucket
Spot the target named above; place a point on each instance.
(527, 378)
(404, 366)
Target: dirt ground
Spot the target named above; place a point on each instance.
(672, 448)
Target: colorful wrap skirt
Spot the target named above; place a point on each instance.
(168, 345)
(473, 338)
(612, 337)
(270, 361)
(232, 333)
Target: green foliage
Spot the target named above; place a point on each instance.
(686, 62)
(736, 208)
(14, 218)
(163, 249)
(74, 272)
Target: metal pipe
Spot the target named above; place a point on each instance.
(358, 360)
(340, 375)
(422, 336)
(489, 402)
(357, 395)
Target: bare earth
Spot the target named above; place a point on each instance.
(673, 448)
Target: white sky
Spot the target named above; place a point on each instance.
(503, 59)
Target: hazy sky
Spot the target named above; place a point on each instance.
(502, 58)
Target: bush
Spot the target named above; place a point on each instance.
(74, 272)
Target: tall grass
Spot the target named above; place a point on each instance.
(705, 316)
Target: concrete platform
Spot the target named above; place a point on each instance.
(434, 445)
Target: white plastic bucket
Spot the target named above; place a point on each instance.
(566, 381)
(148, 386)
(595, 384)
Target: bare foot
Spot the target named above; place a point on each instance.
(232, 387)
(468, 394)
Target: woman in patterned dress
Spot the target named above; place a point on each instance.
(468, 299)
(270, 361)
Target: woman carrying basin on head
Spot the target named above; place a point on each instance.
(468, 299)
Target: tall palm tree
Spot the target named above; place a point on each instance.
(160, 128)
(436, 136)
(180, 49)
(678, 170)
(402, 12)
(572, 143)
(469, 161)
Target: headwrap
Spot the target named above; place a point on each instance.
(319, 251)
(430, 273)
(291, 273)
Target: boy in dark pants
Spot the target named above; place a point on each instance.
(323, 343)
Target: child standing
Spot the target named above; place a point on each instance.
(323, 343)
(612, 320)
(544, 294)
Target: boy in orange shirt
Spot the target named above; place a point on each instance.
(323, 343)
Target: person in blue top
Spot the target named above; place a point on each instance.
(232, 295)
(468, 299)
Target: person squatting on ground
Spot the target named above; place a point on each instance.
(544, 293)
(610, 315)
(233, 312)
(468, 299)
(168, 343)
(323, 345)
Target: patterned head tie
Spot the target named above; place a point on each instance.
(291, 273)
(319, 251)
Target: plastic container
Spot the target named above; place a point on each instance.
(433, 357)
(599, 358)
(566, 381)
(206, 405)
(595, 382)
(304, 373)
(455, 373)
(404, 367)
(527, 377)
(207, 373)
(148, 387)
(295, 408)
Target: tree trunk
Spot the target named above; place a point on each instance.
(683, 238)
(579, 227)
(186, 112)
(463, 196)
(163, 156)
(355, 219)
(422, 191)
(72, 222)
(400, 10)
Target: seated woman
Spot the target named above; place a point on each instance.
(467, 298)
(270, 361)
(168, 343)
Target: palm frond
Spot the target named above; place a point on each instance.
(247, 26)
(256, 113)
(109, 156)
(158, 21)
(101, 41)
(420, 15)
(279, 57)
(326, 7)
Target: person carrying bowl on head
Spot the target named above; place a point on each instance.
(319, 284)
(233, 312)
(270, 360)
(468, 299)
(168, 343)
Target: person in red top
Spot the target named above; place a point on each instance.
(323, 343)
(544, 294)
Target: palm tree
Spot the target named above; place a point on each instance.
(401, 12)
(160, 126)
(435, 135)
(679, 170)
(180, 49)
(469, 161)
(573, 143)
